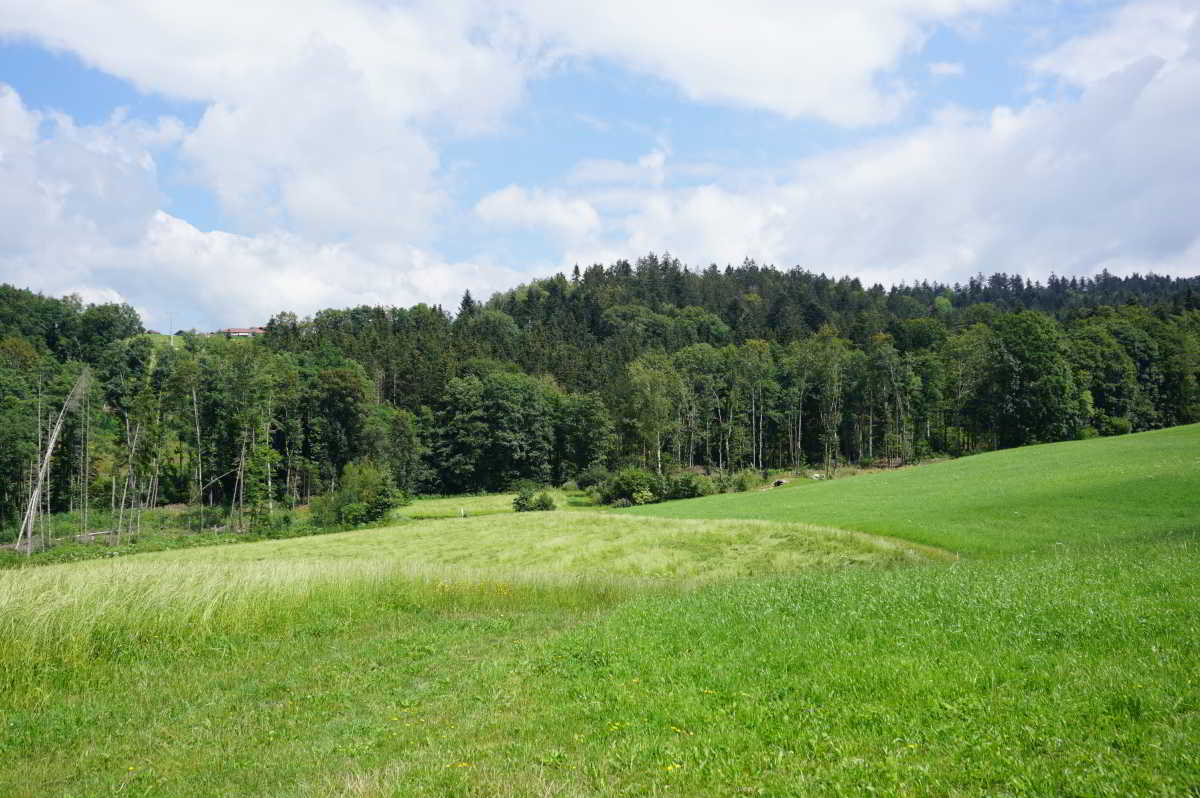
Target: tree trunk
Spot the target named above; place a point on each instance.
(44, 466)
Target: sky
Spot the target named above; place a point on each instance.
(215, 163)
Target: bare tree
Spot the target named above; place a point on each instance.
(45, 457)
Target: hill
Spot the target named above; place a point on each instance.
(1002, 502)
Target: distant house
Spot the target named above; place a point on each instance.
(244, 332)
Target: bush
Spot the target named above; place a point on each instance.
(364, 496)
(355, 513)
(523, 501)
(633, 484)
(622, 503)
(688, 485)
(745, 480)
(1109, 425)
(591, 476)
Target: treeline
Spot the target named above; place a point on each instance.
(647, 363)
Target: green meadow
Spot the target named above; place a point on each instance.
(1015, 500)
(1019, 623)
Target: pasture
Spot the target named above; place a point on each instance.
(662, 651)
(1006, 502)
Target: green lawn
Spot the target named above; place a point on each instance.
(1001, 502)
(581, 654)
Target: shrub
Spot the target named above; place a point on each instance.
(523, 501)
(622, 503)
(365, 495)
(642, 497)
(591, 476)
(688, 485)
(745, 480)
(630, 482)
(1119, 425)
(355, 513)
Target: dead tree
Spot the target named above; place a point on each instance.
(44, 464)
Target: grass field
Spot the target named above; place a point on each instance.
(1136, 486)
(486, 504)
(588, 544)
(579, 654)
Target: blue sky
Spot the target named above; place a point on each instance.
(213, 164)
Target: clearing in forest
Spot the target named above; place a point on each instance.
(635, 653)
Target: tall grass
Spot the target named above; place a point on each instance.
(583, 654)
(1069, 674)
(596, 543)
(63, 620)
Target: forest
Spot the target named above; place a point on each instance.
(647, 365)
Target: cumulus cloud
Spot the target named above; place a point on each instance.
(317, 140)
(79, 213)
(291, 273)
(315, 114)
(517, 207)
(323, 124)
(1108, 180)
(1153, 28)
(826, 59)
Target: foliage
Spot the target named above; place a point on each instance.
(526, 501)
(688, 485)
(746, 479)
(523, 501)
(495, 430)
(646, 363)
(591, 476)
(632, 484)
(364, 495)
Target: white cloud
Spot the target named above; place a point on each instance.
(947, 69)
(828, 59)
(1108, 180)
(1151, 28)
(244, 280)
(317, 139)
(79, 214)
(322, 123)
(315, 112)
(516, 207)
(647, 169)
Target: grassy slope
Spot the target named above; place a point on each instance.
(1071, 674)
(998, 503)
(576, 543)
(489, 656)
